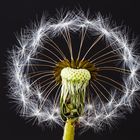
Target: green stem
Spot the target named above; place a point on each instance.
(69, 130)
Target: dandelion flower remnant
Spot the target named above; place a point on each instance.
(74, 71)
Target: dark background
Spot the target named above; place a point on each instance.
(17, 14)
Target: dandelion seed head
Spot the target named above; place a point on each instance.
(78, 82)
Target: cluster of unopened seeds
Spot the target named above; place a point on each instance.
(75, 75)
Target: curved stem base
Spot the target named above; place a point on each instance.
(69, 130)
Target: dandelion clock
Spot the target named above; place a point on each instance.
(75, 71)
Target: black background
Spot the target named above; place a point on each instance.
(17, 14)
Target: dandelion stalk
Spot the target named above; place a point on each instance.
(69, 130)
